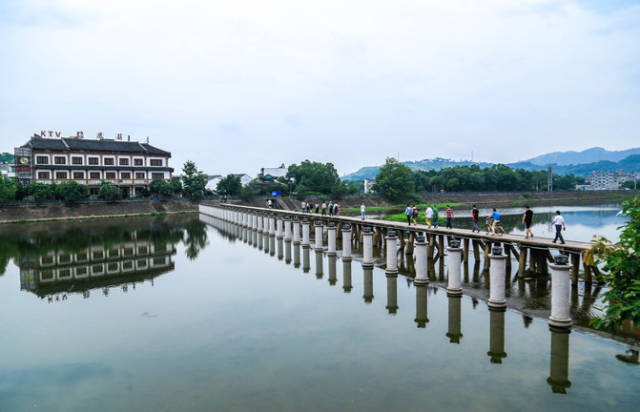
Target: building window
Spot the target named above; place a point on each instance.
(94, 161)
(59, 160)
(157, 176)
(125, 175)
(124, 162)
(138, 162)
(155, 162)
(140, 175)
(42, 160)
(61, 175)
(78, 175)
(43, 175)
(94, 175)
(110, 175)
(108, 161)
(75, 160)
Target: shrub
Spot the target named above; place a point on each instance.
(109, 192)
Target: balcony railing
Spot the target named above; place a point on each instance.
(96, 182)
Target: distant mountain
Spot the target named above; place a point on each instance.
(629, 164)
(592, 155)
(369, 172)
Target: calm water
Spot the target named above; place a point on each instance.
(184, 314)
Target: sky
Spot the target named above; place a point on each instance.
(239, 85)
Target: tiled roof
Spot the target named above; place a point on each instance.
(106, 145)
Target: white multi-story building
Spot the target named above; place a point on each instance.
(128, 164)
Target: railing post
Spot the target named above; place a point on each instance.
(454, 286)
(422, 276)
(496, 279)
(346, 242)
(560, 316)
(392, 253)
(367, 248)
(331, 239)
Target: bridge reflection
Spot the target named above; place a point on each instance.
(558, 378)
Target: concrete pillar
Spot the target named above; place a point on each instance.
(346, 275)
(272, 225)
(454, 253)
(287, 252)
(305, 234)
(272, 245)
(318, 235)
(392, 293)
(367, 248)
(319, 264)
(280, 248)
(265, 241)
(392, 253)
(346, 242)
(255, 238)
(333, 279)
(260, 240)
(422, 277)
(496, 335)
(260, 222)
(287, 229)
(455, 324)
(306, 266)
(296, 255)
(331, 239)
(368, 284)
(279, 228)
(296, 230)
(421, 305)
(560, 316)
(497, 271)
(559, 368)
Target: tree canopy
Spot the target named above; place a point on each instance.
(395, 180)
(229, 185)
(193, 181)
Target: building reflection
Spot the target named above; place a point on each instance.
(101, 266)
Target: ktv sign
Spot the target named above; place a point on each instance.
(43, 133)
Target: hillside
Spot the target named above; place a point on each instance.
(592, 155)
(6, 157)
(629, 164)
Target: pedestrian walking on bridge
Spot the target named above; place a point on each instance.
(408, 213)
(449, 212)
(363, 210)
(527, 219)
(475, 216)
(429, 215)
(436, 214)
(558, 222)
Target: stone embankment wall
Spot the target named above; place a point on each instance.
(88, 210)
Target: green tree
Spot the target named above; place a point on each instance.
(7, 190)
(229, 185)
(176, 186)
(193, 181)
(622, 271)
(314, 177)
(161, 188)
(394, 181)
(109, 192)
(71, 192)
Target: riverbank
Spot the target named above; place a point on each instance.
(50, 212)
(460, 201)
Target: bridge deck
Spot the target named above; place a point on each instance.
(537, 242)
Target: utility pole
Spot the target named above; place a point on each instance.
(550, 180)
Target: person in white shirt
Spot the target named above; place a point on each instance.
(429, 215)
(363, 209)
(558, 222)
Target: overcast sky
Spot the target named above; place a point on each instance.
(238, 85)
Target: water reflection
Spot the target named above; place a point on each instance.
(306, 265)
(392, 293)
(421, 305)
(368, 284)
(100, 257)
(454, 332)
(559, 367)
(296, 255)
(346, 276)
(496, 336)
(319, 264)
(332, 269)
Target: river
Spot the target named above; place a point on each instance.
(189, 313)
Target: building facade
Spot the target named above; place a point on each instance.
(128, 164)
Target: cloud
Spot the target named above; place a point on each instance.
(348, 82)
